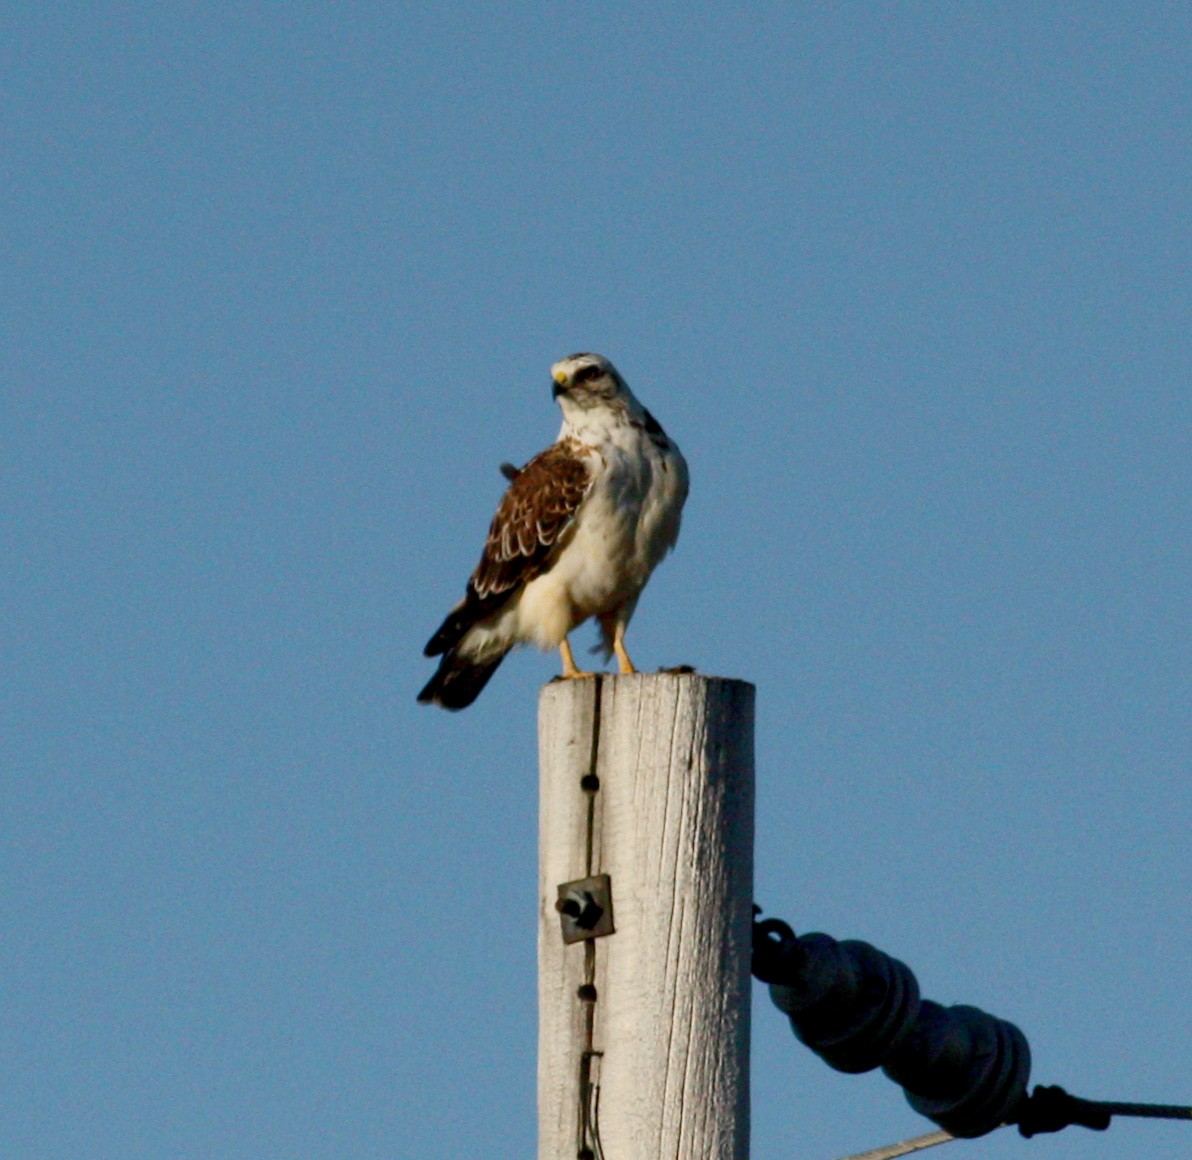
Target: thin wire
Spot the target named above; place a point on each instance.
(918, 1143)
(890, 1151)
(593, 1112)
(1155, 1111)
(589, 1061)
(592, 778)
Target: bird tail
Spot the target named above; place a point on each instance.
(458, 682)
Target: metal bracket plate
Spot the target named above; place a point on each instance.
(585, 908)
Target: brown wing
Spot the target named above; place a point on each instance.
(533, 519)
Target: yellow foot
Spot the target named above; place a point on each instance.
(623, 661)
(570, 670)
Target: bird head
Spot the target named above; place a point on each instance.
(584, 381)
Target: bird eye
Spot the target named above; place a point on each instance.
(586, 373)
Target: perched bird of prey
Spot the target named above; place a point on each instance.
(577, 534)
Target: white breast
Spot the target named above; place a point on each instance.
(628, 522)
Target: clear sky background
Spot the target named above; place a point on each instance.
(909, 284)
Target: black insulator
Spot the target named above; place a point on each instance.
(858, 1008)
(851, 1004)
(962, 1068)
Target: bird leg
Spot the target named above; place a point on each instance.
(623, 661)
(569, 667)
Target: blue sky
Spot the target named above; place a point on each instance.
(910, 286)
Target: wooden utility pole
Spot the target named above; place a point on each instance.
(647, 795)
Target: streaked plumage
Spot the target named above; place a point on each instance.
(577, 534)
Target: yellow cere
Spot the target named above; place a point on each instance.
(560, 377)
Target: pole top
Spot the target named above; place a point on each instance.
(680, 677)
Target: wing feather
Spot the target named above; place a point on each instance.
(535, 514)
(533, 520)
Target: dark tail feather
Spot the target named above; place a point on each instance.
(458, 682)
(457, 623)
(465, 614)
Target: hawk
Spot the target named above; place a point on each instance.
(577, 534)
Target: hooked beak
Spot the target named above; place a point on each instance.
(559, 386)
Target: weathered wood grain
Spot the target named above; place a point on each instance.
(672, 823)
